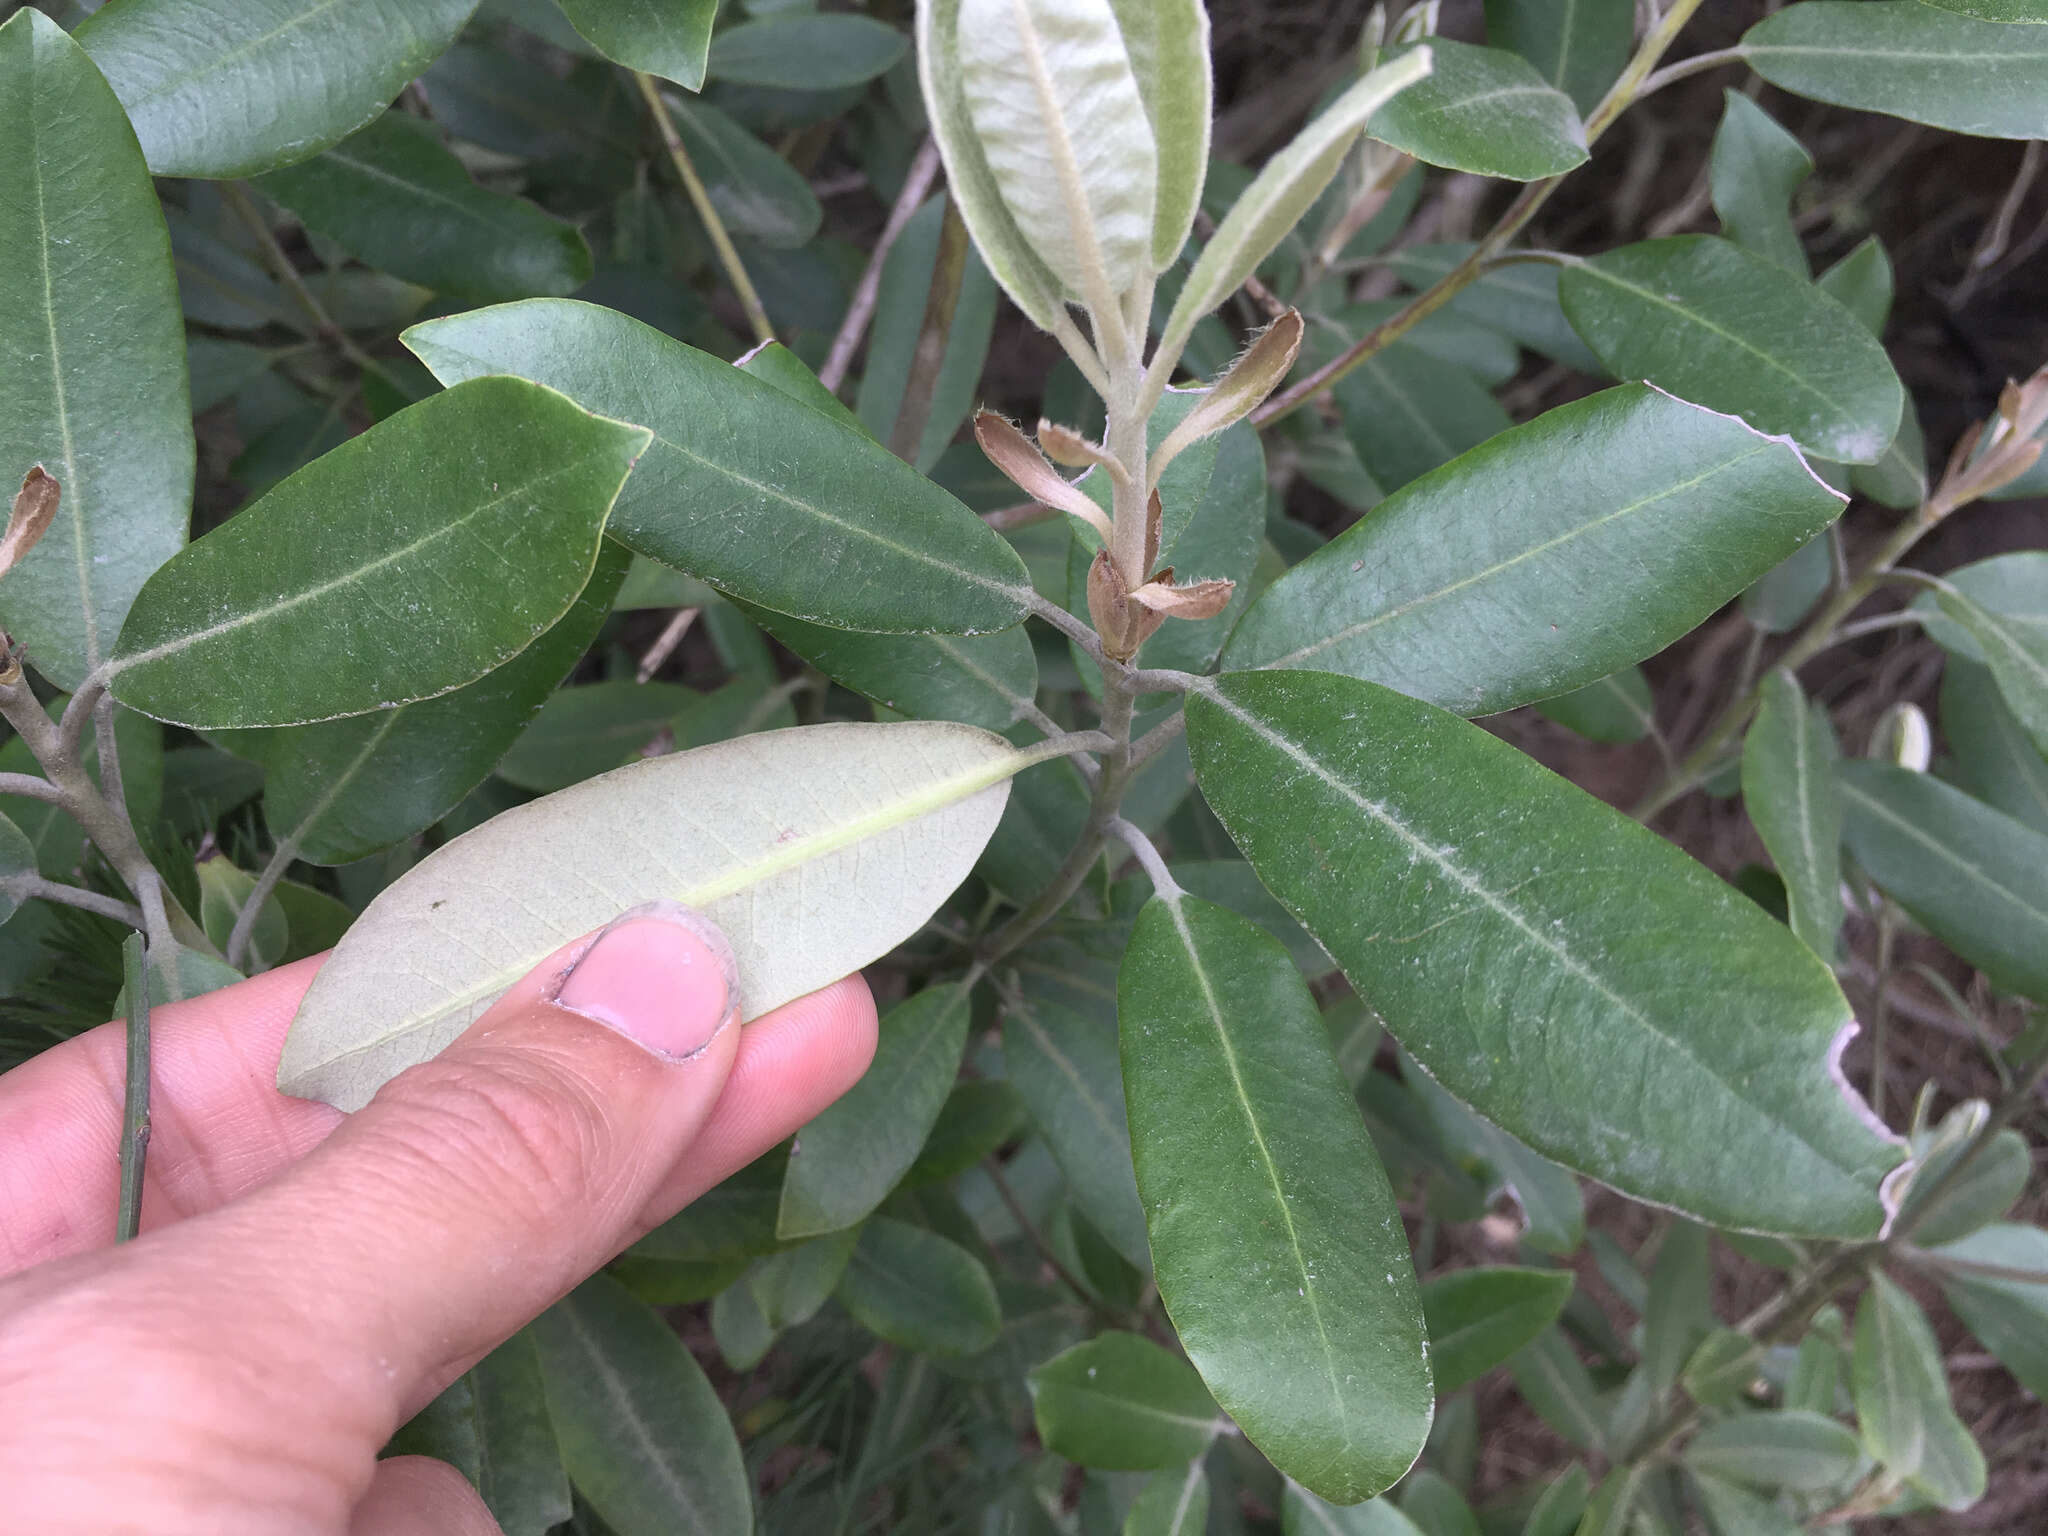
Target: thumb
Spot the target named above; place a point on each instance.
(478, 1187)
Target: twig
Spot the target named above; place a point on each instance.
(1156, 740)
(1953, 1265)
(325, 328)
(665, 643)
(714, 226)
(31, 886)
(1066, 624)
(1036, 1238)
(1134, 838)
(920, 389)
(924, 171)
(1698, 64)
(135, 1099)
(27, 784)
(245, 920)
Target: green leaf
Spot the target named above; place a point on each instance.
(1483, 110)
(1972, 876)
(1579, 46)
(100, 402)
(2009, 1316)
(2016, 650)
(905, 293)
(1786, 593)
(732, 1222)
(887, 819)
(342, 789)
(753, 189)
(1554, 1212)
(979, 1115)
(1733, 1511)
(914, 1288)
(393, 197)
(492, 1425)
(1519, 301)
(1122, 1403)
(1815, 1381)
(643, 1434)
(2014, 587)
(264, 83)
(1783, 1449)
(1231, 883)
(1173, 1503)
(1274, 1238)
(669, 38)
(1910, 60)
(1479, 1317)
(1475, 587)
(759, 495)
(1168, 44)
(1303, 1514)
(1737, 333)
(1479, 902)
(17, 868)
(1558, 1508)
(1902, 1404)
(358, 584)
(1065, 1068)
(1721, 1371)
(798, 52)
(1998, 10)
(1618, 708)
(985, 680)
(1754, 171)
(224, 891)
(1985, 1190)
(1679, 1312)
(846, 1161)
(1995, 759)
(1407, 412)
(1788, 788)
(582, 732)
(1554, 1383)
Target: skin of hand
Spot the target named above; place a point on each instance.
(306, 1281)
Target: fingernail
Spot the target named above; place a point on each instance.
(661, 975)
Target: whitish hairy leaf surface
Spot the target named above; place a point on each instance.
(405, 563)
(1547, 558)
(1565, 972)
(815, 850)
(1168, 44)
(92, 386)
(761, 496)
(223, 88)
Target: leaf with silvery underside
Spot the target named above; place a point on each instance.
(404, 564)
(93, 387)
(1548, 557)
(763, 497)
(1566, 973)
(814, 849)
(1486, 111)
(1168, 44)
(231, 89)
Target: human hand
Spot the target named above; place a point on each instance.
(305, 1281)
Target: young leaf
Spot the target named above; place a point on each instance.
(357, 584)
(1579, 46)
(264, 83)
(1474, 587)
(393, 197)
(1657, 996)
(1168, 44)
(1122, 1403)
(797, 52)
(1305, 1322)
(1734, 332)
(1973, 877)
(745, 830)
(643, 1434)
(1902, 1404)
(916, 1289)
(1788, 788)
(1479, 1317)
(1995, 759)
(669, 38)
(759, 495)
(1483, 110)
(101, 405)
(1755, 169)
(1618, 708)
(1915, 61)
(2009, 1316)
(1065, 1068)
(845, 1162)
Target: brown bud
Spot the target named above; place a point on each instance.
(1122, 624)
(1239, 390)
(1019, 459)
(1196, 600)
(35, 507)
(1155, 520)
(1063, 445)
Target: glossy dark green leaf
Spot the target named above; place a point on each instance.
(2009, 1316)
(93, 387)
(252, 86)
(1065, 1067)
(1788, 788)
(898, 325)
(1479, 1317)
(1407, 412)
(1972, 876)
(1737, 333)
(493, 1426)
(1553, 555)
(1122, 1403)
(408, 562)
(1755, 169)
(342, 789)
(916, 1289)
(1902, 1403)
(668, 38)
(1579, 46)
(1573, 977)
(1995, 759)
(798, 52)
(1554, 1383)
(1274, 1238)
(1786, 593)
(1920, 62)
(393, 197)
(1783, 1449)
(643, 1434)
(582, 732)
(2015, 648)
(1483, 110)
(507, 102)
(846, 1161)
(743, 486)
(754, 190)
(1617, 708)
(1172, 1503)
